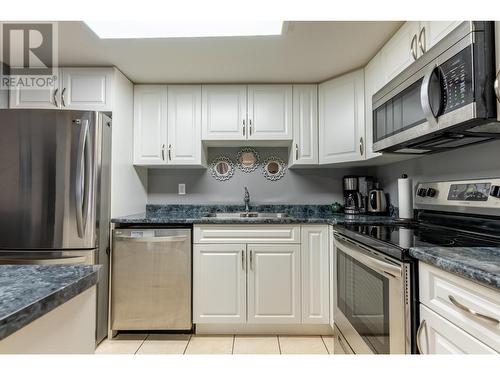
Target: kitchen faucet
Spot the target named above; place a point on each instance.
(247, 200)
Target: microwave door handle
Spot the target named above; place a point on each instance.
(425, 98)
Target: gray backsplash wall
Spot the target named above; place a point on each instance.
(477, 161)
(298, 186)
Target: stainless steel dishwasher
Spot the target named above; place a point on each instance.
(151, 279)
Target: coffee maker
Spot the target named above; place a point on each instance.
(352, 198)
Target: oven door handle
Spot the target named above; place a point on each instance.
(369, 261)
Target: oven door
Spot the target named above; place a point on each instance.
(371, 299)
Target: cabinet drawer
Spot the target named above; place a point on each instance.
(439, 336)
(450, 296)
(235, 233)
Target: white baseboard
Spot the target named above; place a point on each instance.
(264, 329)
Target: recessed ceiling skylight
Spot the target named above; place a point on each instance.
(182, 29)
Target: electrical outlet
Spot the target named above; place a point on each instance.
(182, 189)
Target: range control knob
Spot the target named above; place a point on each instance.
(495, 191)
(431, 192)
(422, 192)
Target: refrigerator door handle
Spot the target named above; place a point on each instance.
(83, 179)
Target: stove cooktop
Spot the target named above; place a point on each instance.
(406, 236)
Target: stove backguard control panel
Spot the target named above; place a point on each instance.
(481, 196)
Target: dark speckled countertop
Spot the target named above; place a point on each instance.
(28, 292)
(481, 264)
(197, 214)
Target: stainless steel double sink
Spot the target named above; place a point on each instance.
(246, 215)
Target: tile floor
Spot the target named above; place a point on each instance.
(215, 344)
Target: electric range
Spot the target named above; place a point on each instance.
(376, 295)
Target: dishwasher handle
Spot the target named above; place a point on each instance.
(152, 239)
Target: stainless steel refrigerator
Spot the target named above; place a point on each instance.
(55, 192)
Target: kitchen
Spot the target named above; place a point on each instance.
(170, 195)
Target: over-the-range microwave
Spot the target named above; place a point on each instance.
(443, 100)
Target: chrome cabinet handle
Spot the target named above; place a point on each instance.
(244, 128)
(62, 97)
(496, 86)
(169, 152)
(361, 146)
(251, 260)
(419, 333)
(413, 47)
(250, 129)
(472, 312)
(243, 260)
(422, 45)
(163, 152)
(54, 98)
(296, 151)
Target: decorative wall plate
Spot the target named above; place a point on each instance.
(222, 168)
(273, 168)
(247, 160)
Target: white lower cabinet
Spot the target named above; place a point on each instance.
(254, 277)
(315, 274)
(274, 283)
(219, 283)
(457, 315)
(439, 336)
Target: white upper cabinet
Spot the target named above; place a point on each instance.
(78, 88)
(401, 50)
(304, 149)
(315, 274)
(341, 119)
(184, 124)
(86, 88)
(432, 32)
(29, 98)
(167, 125)
(224, 114)
(273, 283)
(374, 80)
(219, 283)
(150, 124)
(270, 112)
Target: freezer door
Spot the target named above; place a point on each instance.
(48, 169)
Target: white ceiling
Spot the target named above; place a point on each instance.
(306, 52)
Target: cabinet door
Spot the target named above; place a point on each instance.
(305, 125)
(374, 81)
(219, 286)
(431, 32)
(87, 88)
(184, 124)
(30, 98)
(270, 112)
(224, 112)
(315, 274)
(150, 124)
(439, 336)
(273, 283)
(341, 119)
(401, 50)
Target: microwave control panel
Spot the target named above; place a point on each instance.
(457, 80)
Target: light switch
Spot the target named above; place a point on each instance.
(182, 189)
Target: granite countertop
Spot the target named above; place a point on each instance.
(197, 214)
(481, 264)
(28, 292)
